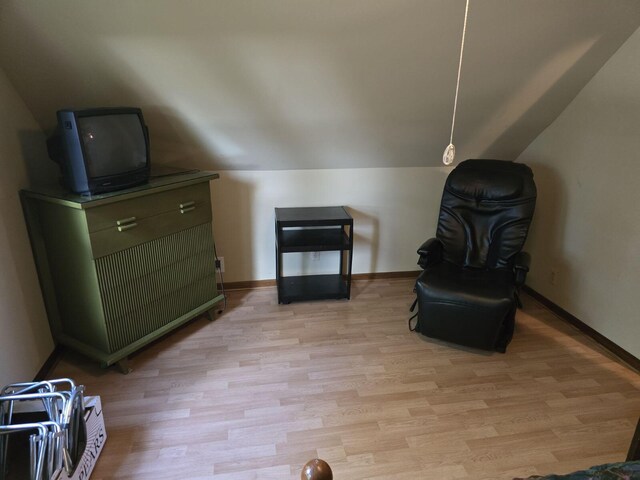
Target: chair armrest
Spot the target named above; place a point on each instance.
(521, 264)
(430, 252)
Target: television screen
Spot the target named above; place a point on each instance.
(112, 144)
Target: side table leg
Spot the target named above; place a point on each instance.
(634, 448)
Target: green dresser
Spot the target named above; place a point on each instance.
(118, 270)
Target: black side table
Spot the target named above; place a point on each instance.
(329, 233)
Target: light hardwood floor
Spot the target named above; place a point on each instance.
(266, 387)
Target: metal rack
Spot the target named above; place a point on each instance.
(58, 439)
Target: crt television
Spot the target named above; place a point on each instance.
(101, 149)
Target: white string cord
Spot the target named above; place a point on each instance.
(450, 151)
(455, 101)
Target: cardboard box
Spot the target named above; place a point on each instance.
(96, 437)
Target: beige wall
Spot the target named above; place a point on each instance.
(587, 225)
(394, 210)
(291, 85)
(25, 341)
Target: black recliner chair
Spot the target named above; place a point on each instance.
(468, 291)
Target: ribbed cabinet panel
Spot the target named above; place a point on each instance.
(147, 286)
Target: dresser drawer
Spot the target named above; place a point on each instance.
(135, 210)
(132, 233)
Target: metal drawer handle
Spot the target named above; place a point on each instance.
(187, 209)
(125, 220)
(187, 204)
(128, 226)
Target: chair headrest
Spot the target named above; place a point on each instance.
(491, 180)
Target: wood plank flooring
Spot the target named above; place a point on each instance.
(264, 388)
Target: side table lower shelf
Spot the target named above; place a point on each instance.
(312, 287)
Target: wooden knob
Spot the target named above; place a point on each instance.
(316, 469)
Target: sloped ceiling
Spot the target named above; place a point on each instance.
(289, 84)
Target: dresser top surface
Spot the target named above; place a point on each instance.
(59, 195)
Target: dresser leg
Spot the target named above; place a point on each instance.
(123, 366)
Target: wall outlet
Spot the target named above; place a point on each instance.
(220, 264)
(553, 276)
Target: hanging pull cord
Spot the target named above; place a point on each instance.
(450, 151)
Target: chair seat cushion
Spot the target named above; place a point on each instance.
(455, 284)
(466, 306)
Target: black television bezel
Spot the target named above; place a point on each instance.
(103, 183)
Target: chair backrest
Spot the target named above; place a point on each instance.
(485, 213)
